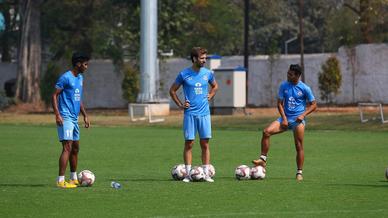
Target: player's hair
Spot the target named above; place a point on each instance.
(196, 52)
(296, 68)
(79, 57)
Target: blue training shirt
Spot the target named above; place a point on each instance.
(195, 89)
(295, 97)
(69, 100)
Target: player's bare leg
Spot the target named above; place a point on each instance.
(63, 159)
(298, 138)
(272, 129)
(205, 151)
(74, 156)
(187, 157)
(206, 158)
(73, 160)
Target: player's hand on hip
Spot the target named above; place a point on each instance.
(300, 118)
(87, 122)
(59, 120)
(284, 124)
(186, 104)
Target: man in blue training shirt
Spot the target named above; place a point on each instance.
(295, 102)
(195, 81)
(67, 103)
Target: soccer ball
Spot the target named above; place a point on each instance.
(212, 171)
(242, 172)
(197, 174)
(86, 178)
(178, 172)
(257, 172)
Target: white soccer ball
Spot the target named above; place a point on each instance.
(197, 174)
(257, 172)
(86, 178)
(242, 172)
(212, 171)
(178, 172)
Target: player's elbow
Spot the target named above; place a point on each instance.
(172, 92)
(314, 106)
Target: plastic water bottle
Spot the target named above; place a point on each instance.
(115, 185)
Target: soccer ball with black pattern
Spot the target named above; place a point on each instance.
(242, 172)
(197, 174)
(258, 172)
(86, 178)
(178, 172)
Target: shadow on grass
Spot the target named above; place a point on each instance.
(24, 185)
(384, 184)
(139, 180)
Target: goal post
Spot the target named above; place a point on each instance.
(364, 107)
(141, 112)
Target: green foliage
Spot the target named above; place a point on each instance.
(330, 79)
(130, 84)
(4, 100)
(47, 83)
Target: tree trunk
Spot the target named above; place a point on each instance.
(29, 60)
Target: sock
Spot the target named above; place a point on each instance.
(263, 157)
(73, 175)
(299, 171)
(188, 168)
(61, 178)
(206, 169)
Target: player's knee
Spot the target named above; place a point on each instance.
(75, 150)
(266, 132)
(204, 146)
(299, 146)
(189, 145)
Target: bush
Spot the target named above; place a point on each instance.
(130, 84)
(4, 100)
(330, 79)
(47, 84)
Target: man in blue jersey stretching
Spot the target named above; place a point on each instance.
(295, 102)
(195, 81)
(67, 103)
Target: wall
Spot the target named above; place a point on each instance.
(364, 72)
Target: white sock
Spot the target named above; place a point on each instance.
(298, 171)
(188, 168)
(61, 178)
(206, 169)
(263, 157)
(73, 175)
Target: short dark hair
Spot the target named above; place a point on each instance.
(296, 68)
(196, 52)
(79, 57)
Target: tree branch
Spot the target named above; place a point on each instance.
(352, 8)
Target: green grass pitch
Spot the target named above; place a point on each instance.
(344, 175)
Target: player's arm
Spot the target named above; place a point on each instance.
(174, 87)
(213, 90)
(86, 119)
(310, 107)
(280, 105)
(54, 100)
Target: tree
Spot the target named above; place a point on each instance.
(370, 14)
(330, 79)
(29, 61)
